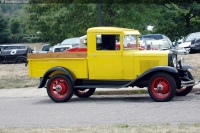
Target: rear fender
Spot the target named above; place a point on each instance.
(44, 79)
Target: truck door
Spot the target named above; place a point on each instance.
(105, 60)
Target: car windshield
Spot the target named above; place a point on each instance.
(45, 48)
(192, 36)
(70, 41)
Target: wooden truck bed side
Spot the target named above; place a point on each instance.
(75, 62)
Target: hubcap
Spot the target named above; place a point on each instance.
(58, 88)
(161, 87)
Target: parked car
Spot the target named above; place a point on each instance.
(74, 42)
(187, 41)
(60, 48)
(195, 46)
(14, 53)
(65, 44)
(155, 41)
(44, 49)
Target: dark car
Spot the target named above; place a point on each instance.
(195, 46)
(14, 53)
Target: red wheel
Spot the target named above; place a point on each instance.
(84, 93)
(60, 88)
(162, 87)
(185, 90)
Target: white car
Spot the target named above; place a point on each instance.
(44, 49)
(187, 41)
(74, 42)
(60, 48)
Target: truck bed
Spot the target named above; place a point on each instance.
(76, 62)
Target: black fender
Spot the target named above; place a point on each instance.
(43, 80)
(167, 69)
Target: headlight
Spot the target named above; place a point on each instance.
(181, 62)
(175, 62)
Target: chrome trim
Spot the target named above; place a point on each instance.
(189, 83)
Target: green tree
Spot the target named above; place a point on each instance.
(185, 17)
(4, 31)
(15, 26)
(59, 21)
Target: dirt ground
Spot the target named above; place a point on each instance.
(16, 75)
(194, 61)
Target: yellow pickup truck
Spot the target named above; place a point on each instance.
(103, 65)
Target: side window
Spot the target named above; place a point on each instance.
(129, 41)
(107, 42)
(22, 47)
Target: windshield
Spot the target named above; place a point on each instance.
(192, 36)
(129, 41)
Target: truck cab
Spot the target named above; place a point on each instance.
(103, 65)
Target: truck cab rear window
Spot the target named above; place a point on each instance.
(106, 42)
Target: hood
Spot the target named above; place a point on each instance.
(185, 44)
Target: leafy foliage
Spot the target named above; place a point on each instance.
(58, 20)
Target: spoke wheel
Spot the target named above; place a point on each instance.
(185, 90)
(60, 88)
(162, 87)
(84, 93)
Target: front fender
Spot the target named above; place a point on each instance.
(149, 72)
(46, 75)
(186, 67)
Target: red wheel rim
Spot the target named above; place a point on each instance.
(160, 87)
(59, 88)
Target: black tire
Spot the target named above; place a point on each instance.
(184, 91)
(60, 88)
(84, 93)
(162, 87)
(20, 60)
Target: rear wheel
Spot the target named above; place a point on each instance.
(162, 87)
(185, 90)
(60, 88)
(84, 93)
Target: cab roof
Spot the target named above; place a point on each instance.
(113, 30)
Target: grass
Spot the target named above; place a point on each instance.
(120, 128)
(15, 76)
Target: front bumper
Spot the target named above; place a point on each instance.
(189, 83)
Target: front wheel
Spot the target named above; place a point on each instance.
(60, 88)
(84, 93)
(162, 87)
(185, 90)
